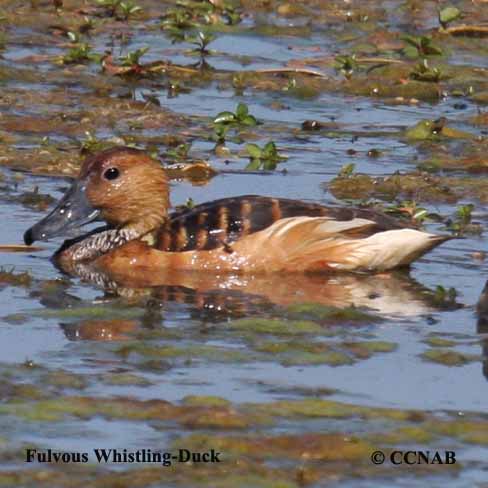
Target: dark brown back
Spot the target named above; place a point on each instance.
(221, 222)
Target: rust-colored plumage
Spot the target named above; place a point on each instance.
(148, 206)
(247, 234)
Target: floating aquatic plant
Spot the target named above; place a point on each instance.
(240, 117)
(119, 9)
(462, 224)
(220, 133)
(448, 15)
(266, 158)
(443, 296)
(180, 152)
(347, 170)
(110, 6)
(10, 278)
(346, 65)
(424, 72)
(420, 46)
(127, 9)
(133, 58)
(189, 14)
(80, 53)
(87, 25)
(201, 40)
(411, 208)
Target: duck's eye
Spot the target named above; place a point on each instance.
(111, 174)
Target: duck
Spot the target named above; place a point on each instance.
(250, 234)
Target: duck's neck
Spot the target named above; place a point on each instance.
(100, 243)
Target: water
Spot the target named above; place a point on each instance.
(54, 329)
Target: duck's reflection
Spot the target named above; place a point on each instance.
(100, 330)
(482, 326)
(212, 298)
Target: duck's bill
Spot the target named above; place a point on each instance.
(72, 212)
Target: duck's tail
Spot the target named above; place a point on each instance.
(389, 249)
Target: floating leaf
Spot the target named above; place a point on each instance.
(424, 72)
(346, 170)
(254, 151)
(428, 48)
(270, 151)
(242, 110)
(249, 120)
(225, 118)
(133, 58)
(254, 165)
(269, 164)
(220, 131)
(448, 14)
(240, 117)
(411, 52)
(411, 40)
(420, 46)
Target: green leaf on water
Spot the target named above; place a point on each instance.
(428, 48)
(254, 165)
(411, 52)
(270, 151)
(448, 14)
(411, 40)
(254, 151)
(347, 170)
(225, 118)
(242, 111)
(249, 120)
(269, 164)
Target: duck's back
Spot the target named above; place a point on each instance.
(221, 222)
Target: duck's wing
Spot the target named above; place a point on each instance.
(221, 222)
(315, 244)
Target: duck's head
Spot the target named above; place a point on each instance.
(123, 186)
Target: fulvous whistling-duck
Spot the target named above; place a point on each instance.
(247, 234)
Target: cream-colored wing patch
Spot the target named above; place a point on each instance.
(320, 227)
(320, 243)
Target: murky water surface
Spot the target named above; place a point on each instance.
(296, 380)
